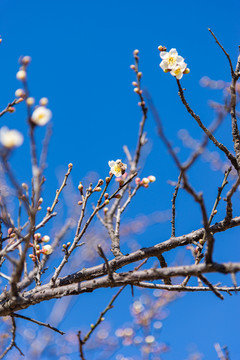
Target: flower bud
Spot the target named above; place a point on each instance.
(139, 74)
(70, 165)
(105, 210)
(151, 178)
(80, 203)
(19, 93)
(26, 60)
(106, 202)
(162, 48)
(21, 75)
(136, 52)
(98, 188)
(80, 187)
(134, 83)
(132, 67)
(47, 249)
(186, 71)
(100, 182)
(106, 195)
(11, 109)
(136, 90)
(107, 179)
(137, 181)
(45, 238)
(30, 101)
(43, 101)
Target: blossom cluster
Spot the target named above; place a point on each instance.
(173, 63)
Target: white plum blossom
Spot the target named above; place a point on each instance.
(117, 167)
(178, 70)
(10, 138)
(47, 249)
(173, 63)
(41, 116)
(170, 59)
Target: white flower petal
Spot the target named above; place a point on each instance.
(111, 163)
(163, 54)
(164, 65)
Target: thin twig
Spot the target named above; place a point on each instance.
(38, 322)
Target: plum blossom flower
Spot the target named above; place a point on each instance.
(41, 116)
(170, 59)
(47, 249)
(10, 138)
(178, 70)
(117, 167)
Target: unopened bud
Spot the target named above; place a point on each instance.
(162, 48)
(24, 186)
(105, 210)
(145, 181)
(136, 52)
(106, 195)
(100, 182)
(30, 101)
(37, 247)
(47, 249)
(107, 179)
(43, 101)
(26, 60)
(19, 93)
(139, 74)
(70, 165)
(39, 208)
(132, 67)
(186, 71)
(215, 212)
(80, 187)
(106, 202)
(137, 181)
(45, 238)
(98, 188)
(11, 109)
(136, 90)
(151, 178)
(21, 75)
(134, 83)
(37, 236)
(117, 196)
(48, 209)
(10, 230)
(40, 201)
(80, 203)
(68, 244)
(121, 182)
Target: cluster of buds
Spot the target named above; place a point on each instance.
(65, 247)
(172, 62)
(22, 72)
(145, 181)
(39, 246)
(41, 115)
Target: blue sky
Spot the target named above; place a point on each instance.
(81, 52)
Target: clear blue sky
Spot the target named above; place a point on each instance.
(81, 52)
